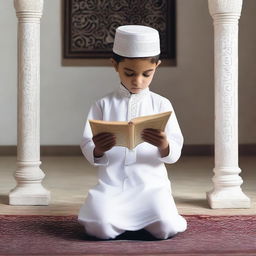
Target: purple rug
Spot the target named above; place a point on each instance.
(62, 235)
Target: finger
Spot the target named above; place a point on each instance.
(108, 146)
(153, 132)
(153, 135)
(151, 142)
(103, 136)
(105, 147)
(151, 139)
(104, 141)
(157, 139)
(107, 142)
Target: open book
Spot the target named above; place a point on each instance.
(128, 134)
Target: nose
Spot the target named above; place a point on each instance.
(137, 80)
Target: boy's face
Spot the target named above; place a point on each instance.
(136, 74)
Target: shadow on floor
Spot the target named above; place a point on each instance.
(4, 199)
(140, 235)
(72, 230)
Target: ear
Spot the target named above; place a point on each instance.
(114, 63)
(158, 63)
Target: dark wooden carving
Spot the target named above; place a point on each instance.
(89, 25)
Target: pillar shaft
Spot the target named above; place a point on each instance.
(227, 192)
(29, 190)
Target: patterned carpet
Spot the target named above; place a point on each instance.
(62, 235)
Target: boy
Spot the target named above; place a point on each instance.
(133, 191)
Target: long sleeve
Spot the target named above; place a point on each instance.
(87, 145)
(173, 134)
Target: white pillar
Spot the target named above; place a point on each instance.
(29, 190)
(227, 192)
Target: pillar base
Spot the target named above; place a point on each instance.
(34, 194)
(227, 199)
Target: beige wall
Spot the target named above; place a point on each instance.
(68, 92)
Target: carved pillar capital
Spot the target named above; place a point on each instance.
(29, 8)
(225, 6)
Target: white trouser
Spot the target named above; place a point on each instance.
(102, 230)
(159, 229)
(165, 229)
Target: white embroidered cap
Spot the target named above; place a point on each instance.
(136, 41)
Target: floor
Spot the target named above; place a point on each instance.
(69, 179)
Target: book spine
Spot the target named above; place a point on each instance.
(131, 135)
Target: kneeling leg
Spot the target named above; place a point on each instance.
(102, 230)
(164, 229)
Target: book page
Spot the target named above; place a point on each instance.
(157, 121)
(119, 129)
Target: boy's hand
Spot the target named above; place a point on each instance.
(103, 142)
(157, 138)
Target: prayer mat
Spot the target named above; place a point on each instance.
(63, 235)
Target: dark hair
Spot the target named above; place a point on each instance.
(118, 58)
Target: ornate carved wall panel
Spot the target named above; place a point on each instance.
(89, 25)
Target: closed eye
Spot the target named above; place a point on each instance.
(147, 74)
(128, 74)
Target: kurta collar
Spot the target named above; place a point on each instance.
(125, 93)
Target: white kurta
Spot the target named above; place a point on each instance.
(133, 189)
